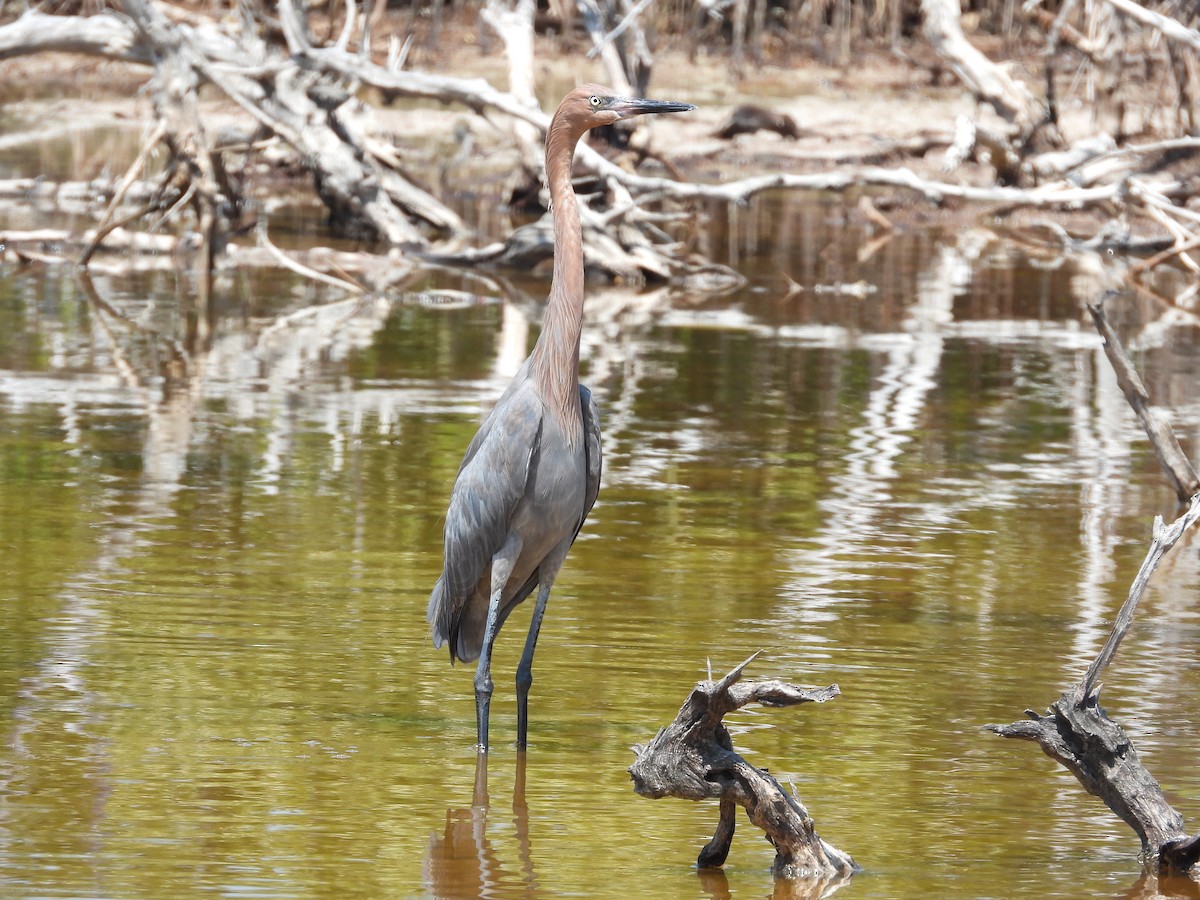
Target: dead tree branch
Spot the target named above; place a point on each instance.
(513, 22)
(309, 99)
(1165, 25)
(1075, 730)
(1077, 733)
(1171, 457)
(987, 81)
(106, 35)
(693, 758)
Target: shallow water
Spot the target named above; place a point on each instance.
(914, 477)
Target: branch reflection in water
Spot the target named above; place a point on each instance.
(1153, 887)
(715, 884)
(464, 863)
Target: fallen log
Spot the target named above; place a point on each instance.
(693, 758)
(107, 35)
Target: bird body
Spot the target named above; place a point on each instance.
(532, 472)
(528, 514)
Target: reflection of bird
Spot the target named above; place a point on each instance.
(464, 862)
(532, 471)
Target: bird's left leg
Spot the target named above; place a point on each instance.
(546, 575)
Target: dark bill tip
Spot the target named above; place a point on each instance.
(639, 107)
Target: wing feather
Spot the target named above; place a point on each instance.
(593, 453)
(491, 482)
(592, 459)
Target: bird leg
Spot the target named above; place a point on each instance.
(483, 676)
(502, 566)
(525, 666)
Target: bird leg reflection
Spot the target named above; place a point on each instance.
(521, 820)
(463, 861)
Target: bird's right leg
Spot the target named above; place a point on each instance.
(548, 571)
(502, 566)
(525, 666)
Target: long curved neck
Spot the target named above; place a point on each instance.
(555, 359)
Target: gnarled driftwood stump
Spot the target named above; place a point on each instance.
(693, 758)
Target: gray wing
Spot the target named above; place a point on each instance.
(491, 482)
(593, 454)
(592, 461)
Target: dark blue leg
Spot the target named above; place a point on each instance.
(525, 667)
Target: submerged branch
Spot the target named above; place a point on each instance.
(693, 759)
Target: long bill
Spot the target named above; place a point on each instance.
(636, 106)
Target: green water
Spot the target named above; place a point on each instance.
(218, 530)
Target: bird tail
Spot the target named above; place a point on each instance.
(461, 624)
(438, 616)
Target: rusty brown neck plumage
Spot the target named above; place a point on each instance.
(554, 363)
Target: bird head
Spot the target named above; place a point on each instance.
(590, 106)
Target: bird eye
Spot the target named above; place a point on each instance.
(595, 101)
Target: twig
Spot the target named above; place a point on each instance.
(287, 262)
(160, 130)
(1159, 258)
(105, 230)
(1171, 457)
(1167, 26)
(1165, 537)
(619, 29)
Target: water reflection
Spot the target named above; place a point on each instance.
(463, 861)
(714, 883)
(1153, 887)
(219, 523)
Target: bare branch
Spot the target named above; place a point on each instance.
(1171, 457)
(1164, 539)
(1168, 27)
(1075, 730)
(106, 35)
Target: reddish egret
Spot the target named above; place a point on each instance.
(532, 471)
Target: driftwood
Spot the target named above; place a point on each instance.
(512, 20)
(987, 81)
(621, 45)
(308, 99)
(693, 758)
(1075, 730)
(1078, 733)
(1165, 25)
